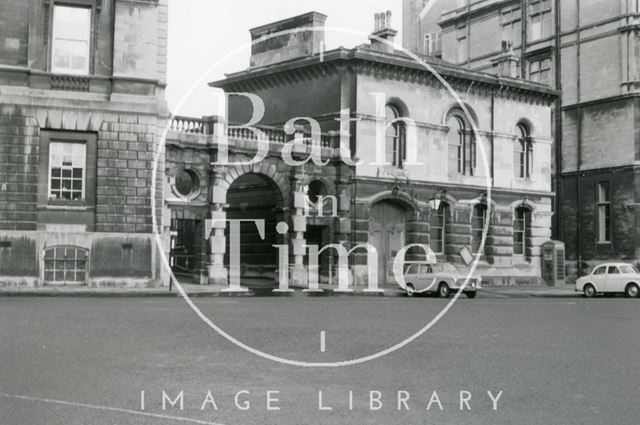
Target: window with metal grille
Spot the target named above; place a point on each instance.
(65, 265)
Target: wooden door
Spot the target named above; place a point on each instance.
(387, 234)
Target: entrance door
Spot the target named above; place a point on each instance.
(184, 244)
(387, 233)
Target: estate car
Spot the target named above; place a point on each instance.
(438, 278)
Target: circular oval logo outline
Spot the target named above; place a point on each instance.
(260, 353)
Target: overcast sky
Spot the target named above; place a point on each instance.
(201, 32)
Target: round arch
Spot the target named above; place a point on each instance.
(400, 105)
(527, 124)
(523, 203)
(455, 109)
(397, 196)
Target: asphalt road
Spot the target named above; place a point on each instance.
(86, 360)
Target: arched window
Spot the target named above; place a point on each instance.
(521, 230)
(523, 154)
(462, 145)
(478, 220)
(395, 137)
(439, 221)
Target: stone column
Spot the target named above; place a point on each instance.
(215, 228)
(299, 221)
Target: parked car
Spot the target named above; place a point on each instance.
(610, 279)
(438, 278)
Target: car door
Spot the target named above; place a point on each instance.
(614, 281)
(598, 278)
(426, 277)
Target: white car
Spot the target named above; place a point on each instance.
(610, 279)
(438, 278)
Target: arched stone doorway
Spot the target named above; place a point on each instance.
(255, 196)
(387, 233)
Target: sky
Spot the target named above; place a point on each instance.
(208, 38)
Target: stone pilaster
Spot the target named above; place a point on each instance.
(215, 230)
(299, 221)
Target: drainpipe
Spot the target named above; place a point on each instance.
(524, 26)
(578, 141)
(558, 122)
(493, 127)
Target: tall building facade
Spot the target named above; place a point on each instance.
(82, 104)
(361, 98)
(589, 51)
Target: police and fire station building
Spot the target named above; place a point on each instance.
(77, 188)
(499, 174)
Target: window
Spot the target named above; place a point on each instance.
(187, 183)
(604, 212)
(478, 220)
(462, 145)
(523, 153)
(395, 140)
(521, 226)
(462, 50)
(439, 221)
(67, 165)
(600, 270)
(628, 269)
(511, 28)
(540, 19)
(432, 44)
(65, 264)
(71, 39)
(613, 270)
(540, 71)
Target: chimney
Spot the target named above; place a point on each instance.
(303, 36)
(507, 63)
(383, 31)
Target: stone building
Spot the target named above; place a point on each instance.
(589, 51)
(390, 202)
(82, 104)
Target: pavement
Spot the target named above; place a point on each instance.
(264, 289)
(86, 361)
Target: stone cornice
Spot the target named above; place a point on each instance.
(397, 66)
(433, 185)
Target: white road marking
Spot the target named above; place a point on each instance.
(322, 342)
(108, 409)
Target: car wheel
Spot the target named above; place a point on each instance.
(471, 294)
(410, 290)
(589, 290)
(443, 290)
(632, 290)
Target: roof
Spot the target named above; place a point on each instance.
(365, 53)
